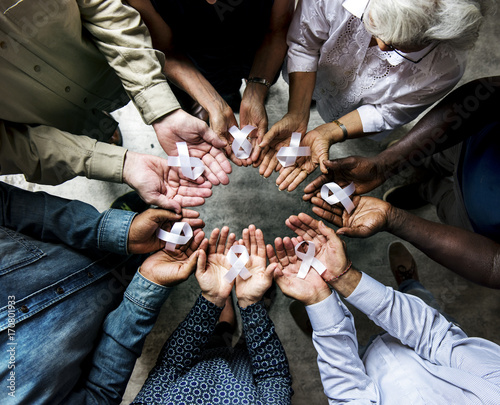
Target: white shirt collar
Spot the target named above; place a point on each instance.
(355, 7)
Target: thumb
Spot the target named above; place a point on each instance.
(160, 215)
(268, 137)
(212, 138)
(323, 157)
(201, 263)
(326, 231)
(347, 231)
(162, 201)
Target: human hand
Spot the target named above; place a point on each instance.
(142, 233)
(203, 143)
(309, 290)
(253, 112)
(169, 268)
(157, 183)
(277, 137)
(370, 216)
(366, 173)
(251, 290)
(319, 141)
(330, 249)
(211, 277)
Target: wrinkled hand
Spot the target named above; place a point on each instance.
(366, 173)
(309, 290)
(251, 290)
(169, 268)
(157, 183)
(211, 278)
(330, 249)
(370, 216)
(203, 143)
(142, 233)
(290, 177)
(253, 112)
(279, 135)
(221, 118)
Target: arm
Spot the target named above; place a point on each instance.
(49, 156)
(269, 363)
(438, 341)
(124, 40)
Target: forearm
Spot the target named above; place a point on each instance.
(301, 90)
(124, 332)
(447, 124)
(468, 254)
(269, 367)
(47, 155)
(54, 219)
(342, 371)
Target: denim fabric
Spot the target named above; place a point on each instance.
(59, 298)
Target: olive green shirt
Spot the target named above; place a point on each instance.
(63, 62)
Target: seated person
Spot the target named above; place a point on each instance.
(455, 152)
(197, 363)
(210, 46)
(422, 359)
(371, 66)
(63, 269)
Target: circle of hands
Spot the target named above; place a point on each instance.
(165, 186)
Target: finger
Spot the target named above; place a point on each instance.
(271, 165)
(201, 263)
(161, 200)
(269, 272)
(230, 242)
(300, 228)
(221, 245)
(329, 233)
(314, 187)
(261, 246)
(280, 252)
(213, 171)
(287, 173)
(271, 254)
(262, 154)
(253, 240)
(195, 243)
(246, 239)
(187, 213)
(328, 216)
(194, 191)
(212, 242)
(159, 215)
(289, 248)
(189, 267)
(212, 138)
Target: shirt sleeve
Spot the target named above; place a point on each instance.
(57, 220)
(124, 332)
(124, 40)
(184, 347)
(269, 363)
(308, 31)
(412, 92)
(342, 372)
(47, 155)
(424, 329)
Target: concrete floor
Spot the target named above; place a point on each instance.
(250, 198)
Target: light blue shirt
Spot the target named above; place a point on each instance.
(433, 362)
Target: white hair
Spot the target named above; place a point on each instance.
(415, 23)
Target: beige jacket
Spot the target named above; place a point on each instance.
(63, 62)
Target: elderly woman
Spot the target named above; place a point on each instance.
(371, 66)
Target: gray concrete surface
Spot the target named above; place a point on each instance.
(250, 198)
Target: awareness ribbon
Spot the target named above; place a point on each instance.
(241, 147)
(191, 167)
(237, 263)
(338, 195)
(308, 260)
(174, 237)
(287, 155)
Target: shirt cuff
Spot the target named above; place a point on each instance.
(155, 102)
(112, 234)
(327, 313)
(147, 294)
(297, 63)
(368, 295)
(371, 119)
(106, 163)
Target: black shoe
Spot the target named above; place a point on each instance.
(405, 197)
(130, 202)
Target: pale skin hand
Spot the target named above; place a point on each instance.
(169, 268)
(157, 183)
(211, 278)
(311, 289)
(366, 173)
(142, 233)
(203, 143)
(251, 290)
(370, 216)
(330, 249)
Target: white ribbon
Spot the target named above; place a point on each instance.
(237, 263)
(241, 146)
(191, 167)
(338, 195)
(174, 237)
(287, 155)
(308, 260)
